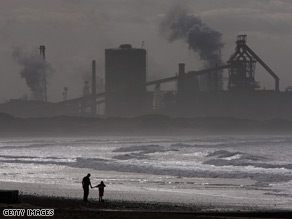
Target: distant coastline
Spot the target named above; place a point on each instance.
(142, 125)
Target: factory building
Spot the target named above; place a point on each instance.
(125, 81)
(126, 93)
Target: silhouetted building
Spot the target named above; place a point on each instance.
(125, 81)
(187, 86)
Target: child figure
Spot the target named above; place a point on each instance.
(101, 190)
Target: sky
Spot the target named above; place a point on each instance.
(76, 32)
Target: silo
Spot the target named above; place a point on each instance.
(125, 81)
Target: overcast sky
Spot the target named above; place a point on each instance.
(78, 31)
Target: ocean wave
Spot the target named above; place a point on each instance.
(234, 141)
(122, 165)
(39, 145)
(181, 145)
(227, 158)
(110, 165)
(145, 149)
(216, 157)
(33, 159)
(43, 162)
(197, 145)
(242, 163)
(137, 156)
(238, 155)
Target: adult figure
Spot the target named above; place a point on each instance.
(85, 185)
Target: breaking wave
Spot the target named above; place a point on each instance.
(236, 155)
(110, 165)
(210, 157)
(142, 148)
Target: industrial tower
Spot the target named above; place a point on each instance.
(43, 75)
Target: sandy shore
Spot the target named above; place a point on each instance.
(67, 203)
(113, 209)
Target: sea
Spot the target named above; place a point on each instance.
(242, 169)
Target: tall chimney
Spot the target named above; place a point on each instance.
(43, 51)
(93, 88)
(43, 78)
(181, 68)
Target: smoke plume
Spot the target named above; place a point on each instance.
(34, 70)
(179, 25)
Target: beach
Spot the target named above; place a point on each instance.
(67, 202)
(157, 177)
(110, 209)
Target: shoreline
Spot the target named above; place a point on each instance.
(53, 180)
(210, 199)
(75, 208)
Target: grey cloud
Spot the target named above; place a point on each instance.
(247, 19)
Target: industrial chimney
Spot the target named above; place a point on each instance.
(43, 51)
(93, 88)
(43, 76)
(65, 94)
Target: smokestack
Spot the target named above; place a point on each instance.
(43, 51)
(43, 76)
(181, 68)
(65, 94)
(216, 79)
(93, 88)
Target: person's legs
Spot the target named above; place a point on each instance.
(86, 193)
(100, 195)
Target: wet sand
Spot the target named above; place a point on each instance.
(114, 209)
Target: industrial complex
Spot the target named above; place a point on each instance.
(197, 93)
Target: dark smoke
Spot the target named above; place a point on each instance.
(179, 25)
(34, 68)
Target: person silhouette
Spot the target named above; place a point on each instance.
(101, 190)
(85, 185)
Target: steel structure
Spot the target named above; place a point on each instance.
(242, 67)
(126, 95)
(190, 74)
